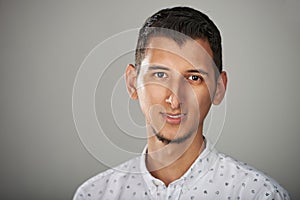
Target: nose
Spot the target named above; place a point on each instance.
(175, 95)
(173, 101)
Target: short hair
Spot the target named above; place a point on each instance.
(182, 20)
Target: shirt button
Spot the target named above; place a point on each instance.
(156, 183)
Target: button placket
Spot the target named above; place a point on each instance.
(170, 192)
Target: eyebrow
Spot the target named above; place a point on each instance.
(155, 67)
(201, 71)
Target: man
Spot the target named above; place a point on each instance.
(177, 76)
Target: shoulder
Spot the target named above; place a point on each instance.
(99, 185)
(249, 181)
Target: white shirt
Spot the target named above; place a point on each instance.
(212, 176)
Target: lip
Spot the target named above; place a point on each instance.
(174, 118)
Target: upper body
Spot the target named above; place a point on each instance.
(213, 175)
(177, 77)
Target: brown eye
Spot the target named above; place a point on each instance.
(194, 78)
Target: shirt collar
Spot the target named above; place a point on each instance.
(198, 169)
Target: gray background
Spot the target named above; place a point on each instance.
(43, 43)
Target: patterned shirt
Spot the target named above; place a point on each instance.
(213, 175)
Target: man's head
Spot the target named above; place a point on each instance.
(178, 73)
(185, 20)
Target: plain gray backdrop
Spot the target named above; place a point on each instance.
(43, 43)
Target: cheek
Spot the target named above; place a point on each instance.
(211, 88)
(204, 109)
(149, 96)
(203, 101)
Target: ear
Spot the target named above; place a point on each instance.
(220, 88)
(131, 76)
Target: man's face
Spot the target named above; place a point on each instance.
(175, 87)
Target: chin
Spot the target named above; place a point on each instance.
(179, 139)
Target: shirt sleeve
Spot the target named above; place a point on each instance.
(278, 193)
(79, 194)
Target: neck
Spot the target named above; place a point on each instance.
(168, 162)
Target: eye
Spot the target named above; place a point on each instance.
(160, 74)
(195, 78)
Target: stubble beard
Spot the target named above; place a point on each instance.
(165, 140)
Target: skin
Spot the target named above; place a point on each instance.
(176, 87)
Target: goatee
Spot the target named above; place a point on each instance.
(165, 140)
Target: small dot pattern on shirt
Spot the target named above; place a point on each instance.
(212, 176)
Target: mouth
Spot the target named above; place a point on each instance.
(175, 118)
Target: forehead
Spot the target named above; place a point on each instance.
(193, 53)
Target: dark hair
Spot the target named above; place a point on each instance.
(172, 22)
